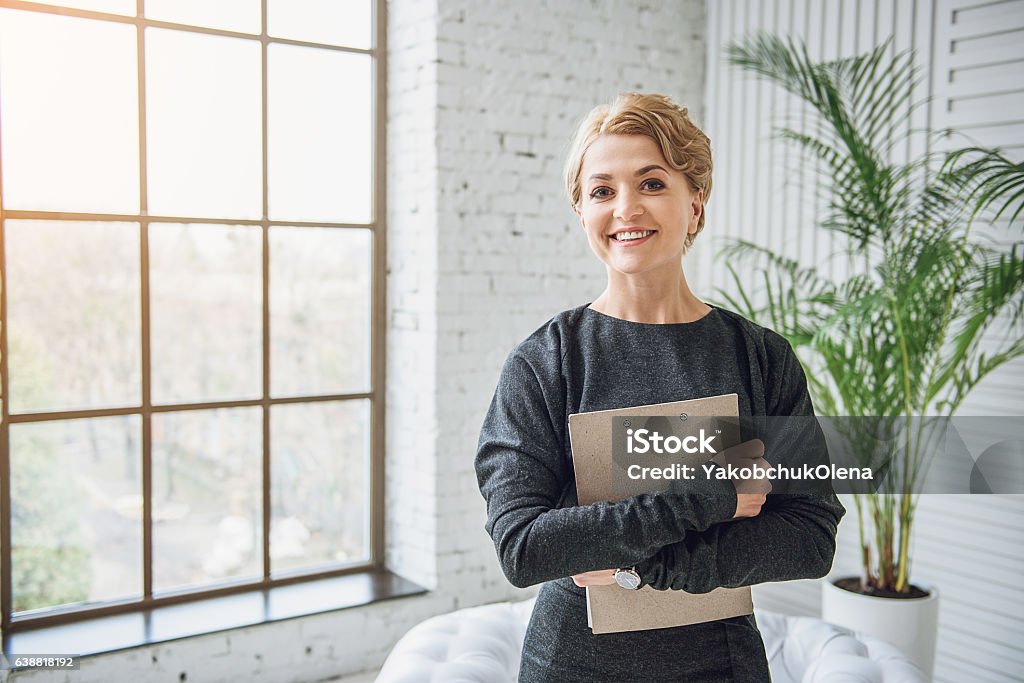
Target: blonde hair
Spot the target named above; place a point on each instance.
(685, 146)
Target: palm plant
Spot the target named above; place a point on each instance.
(902, 338)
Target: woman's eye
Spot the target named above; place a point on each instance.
(599, 193)
(653, 185)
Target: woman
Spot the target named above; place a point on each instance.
(638, 177)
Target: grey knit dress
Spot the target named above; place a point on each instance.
(583, 360)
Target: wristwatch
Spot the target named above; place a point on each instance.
(627, 578)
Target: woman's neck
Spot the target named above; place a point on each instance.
(651, 301)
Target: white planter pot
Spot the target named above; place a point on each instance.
(909, 624)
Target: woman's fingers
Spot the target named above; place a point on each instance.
(748, 449)
(738, 455)
(758, 482)
(752, 492)
(602, 577)
(749, 505)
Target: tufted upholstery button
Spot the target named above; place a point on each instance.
(483, 644)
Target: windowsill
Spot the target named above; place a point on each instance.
(161, 624)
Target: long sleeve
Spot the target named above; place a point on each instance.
(523, 475)
(792, 538)
(794, 535)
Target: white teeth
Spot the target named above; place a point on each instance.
(635, 235)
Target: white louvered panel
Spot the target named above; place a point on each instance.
(746, 156)
(957, 672)
(959, 561)
(699, 264)
(995, 37)
(999, 108)
(972, 53)
(1004, 380)
(805, 246)
(759, 217)
(984, 403)
(981, 508)
(798, 598)
(981, 511)
(979, 51)
(995, 135)
(777, 103)
(968, 88)
(983, 80)
(1002, 543)
(999, 632)
(1002, 12)
(979, 24)
(997, 629)
(982, 516)
(998, 657)
(907, 145)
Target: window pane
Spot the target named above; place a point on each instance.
(319, 138)
(320, 480)
(231, 15)
(73, 315)
(319, 311)
(206, 313)
(70, 117)
(76, 511)
(207, 496)
(339, 22)
(126, 7)
(203, 125)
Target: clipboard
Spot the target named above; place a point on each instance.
(613, 609)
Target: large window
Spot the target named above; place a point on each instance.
(192, 245)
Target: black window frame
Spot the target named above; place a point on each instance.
(10, 623)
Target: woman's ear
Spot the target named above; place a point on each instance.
(697, 207)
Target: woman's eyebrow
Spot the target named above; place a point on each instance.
(642, 171)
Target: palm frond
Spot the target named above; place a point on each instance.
(855, 123)
(994, 180)
(793, 298)
(997, 286)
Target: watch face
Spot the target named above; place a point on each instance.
(627, 578)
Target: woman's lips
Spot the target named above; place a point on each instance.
(631, 243)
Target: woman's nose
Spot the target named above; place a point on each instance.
(627, 206)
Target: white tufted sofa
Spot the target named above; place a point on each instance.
(482, 644)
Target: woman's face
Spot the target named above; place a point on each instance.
(629, 188)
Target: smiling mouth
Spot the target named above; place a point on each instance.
(632, 236)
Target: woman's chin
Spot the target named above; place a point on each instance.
(643, 265)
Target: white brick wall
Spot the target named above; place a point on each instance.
(482, 249)
(411, 472)
(513, 79)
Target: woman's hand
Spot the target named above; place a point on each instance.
(749, 505)
(602, 577)
(752, 493)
